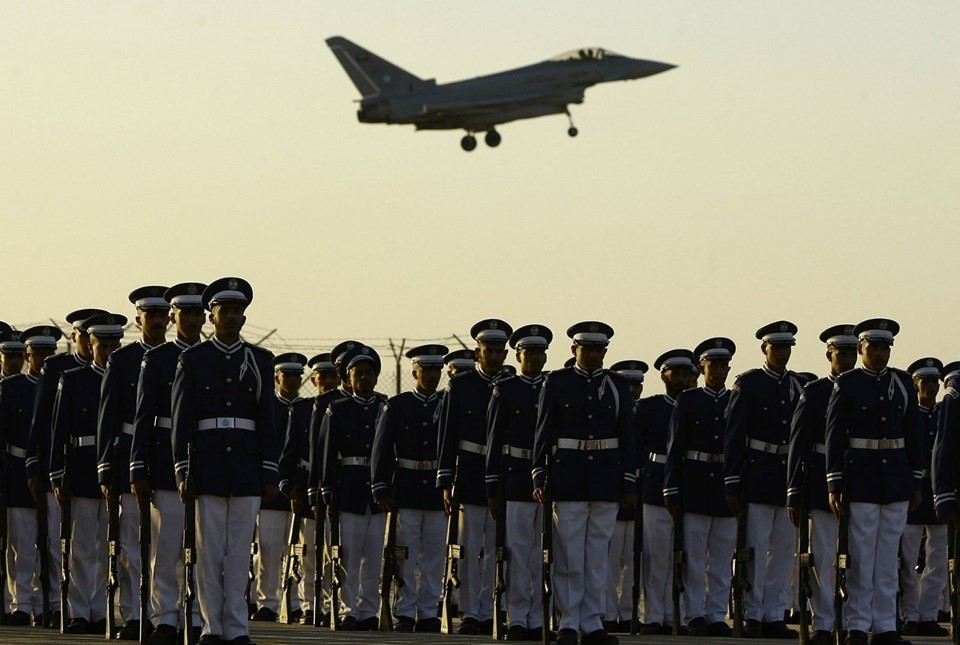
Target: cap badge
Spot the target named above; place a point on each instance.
(365, 350)
(929, 362)
(633, 365)
(718, 342)
(232, 284)
(46, 331)
(848, 330)
(784, 326)
(535, 331)
(192, 290)
(594, 327)
(156, 291)
(110, 320)
(434, 351)
(350, 346)
(494, 324)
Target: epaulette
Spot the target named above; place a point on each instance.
(750, 372)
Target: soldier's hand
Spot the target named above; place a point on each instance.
(447, 500)
(182, 491)
(61, 496)
(835, 504)
(538, 494)
(142, 489)
(916, 501)
(33, 483)
(950, 519)
(492, 507)
(105, 489)
(387, 505)
(628, 500)
(794, 513)
(675, 511)
(733, 503)
(269, 492)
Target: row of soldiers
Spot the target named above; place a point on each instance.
(722, 477)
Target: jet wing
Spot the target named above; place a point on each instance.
(412, 107)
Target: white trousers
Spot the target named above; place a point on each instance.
(620, 573)
(361, 540)
(166, 560)
(423, 533)
(477, 536)
(875, 531)
(225, 528)
(524, 566)
(308, 563)
(87, 595)
(823, 548)
(582, 532)
(53, 550)
(273, 530)
(129, 561)
(709, 543)
(922, 593)
(657, 565)
(23, 562)
(771, 536)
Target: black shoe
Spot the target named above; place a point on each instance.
(752, 629)
(405, 624)
(931, 628)
(130, 631)
(306, 618)
(371, 624)
(856, 637)
(821, 637)
(697, 627)
(719, 629)
(79, 626)
(324, 619)
(210, 639)
(428, 625)
(599, 637)
(54, 621)
(943, 616)
(295, 615)
(567, 637)
(651, 629)
(163, 635)
(609, 625)
(536, 634)
(469, 627)
(486, 627)
(791, 617)
(517, 633)
(264, 615)
(347, 624)
(242, 640)
(778, 629)
(910, 628)
(98, 627)
(623, 627)
(887, 638)
(18, 619)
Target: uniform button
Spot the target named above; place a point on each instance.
(229, 380)
(425, 442)
(716, 436)
(365, 407)
(589, 436)
(711, 474)
(589, 416)
(589, 398)
(229, 404)
(424, 481)
(228, 357)
(883, 461)
(590, 458)
(229, 448)
(366, 445)
(883, 418)
(367, 427)
(716, 418)
(589, 381)
(423, 423)
(784, 422)
(782, 402)
(881, 398)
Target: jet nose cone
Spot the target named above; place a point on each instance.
(643, 68)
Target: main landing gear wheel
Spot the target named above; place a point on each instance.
(572, 131)
(492, 138)
(468, 142)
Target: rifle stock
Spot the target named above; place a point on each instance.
(637, 564)
(113, 546)
(805, 559)
(451, 580)
(291, 569)
(189, 550)
(546, 547)
(335, 582)
(389, 571)
(319, 547)
(954, 581)
(3, 529)
(66, 518)
(742, 557)
(145, 538)
(502, 555)
(840, 591)
(43, 552)
(679, 565)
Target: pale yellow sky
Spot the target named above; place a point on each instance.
(799, 163)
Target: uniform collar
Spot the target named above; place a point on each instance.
(924, 409)
(423, 397)
(363, 401)
(772, 374)
(833, 377)
(96, 368)
(532, 380)
(672, 401)
(81, 361)
(585, 374)
(182, 344)
(146, 346)
(33, 379)
(714, 393)
(488, 377)
(870, 372)
(287, 401)
(344, 391)
(223, 347)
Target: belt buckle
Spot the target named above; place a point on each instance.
(591, 444)
(226, 422)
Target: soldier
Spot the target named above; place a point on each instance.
(460, 360)
(619, 594)
(118, 405)
(151, 460)
(224, 440)
(755, 457)
(75, 427)
(404, 471)
(348, 429)
(461, 453)
(17, 393)
(874, 472)
(585, 441)
(692, 475)
(38, 447)
(273, 521)
(324, 376)
(921, 599)
(512, 421)
(807, 475)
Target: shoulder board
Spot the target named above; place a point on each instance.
(951, 392)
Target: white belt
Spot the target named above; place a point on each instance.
(657, 459)
(20, 453)
(413, 464)
(769, 448)
(519, 453)
(126, 428)
(83, 442)
(471, 446)
(587, 444)
(820, 448)
(876, 444)
(705, 457)
(163, 422)
(354, 461)
(231, 423)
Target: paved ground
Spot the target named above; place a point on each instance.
(264, 634)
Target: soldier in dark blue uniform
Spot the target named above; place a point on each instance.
(348, 429)
(151, 459)
(620, 580)
(874, 472)
(324, 375)
(273, 521)
(692, 477)
(585, 451)
(38, 446)
(921, 598)
(755, 458)
(512, 421)
(17, 393)
(404, 471)
(461, 453)
(118, 406)
(807, 475)
(75, 427)
(224, 440)
(946, 448)
(460, 360)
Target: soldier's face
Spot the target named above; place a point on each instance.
(11, 364)
(842, 359)
(428, 378)
(188, 321)
(715, 372)
(36, 356)
(228, 318)
(491, 356)
(326, 380)
(82, 341)
(153, 322)
(875, 355)
(693, 379)
(927, 387)
(589, 357)
(288, 383)
(777, 355)
(102, 348)
(531, 360)
(636, 389)
(363, 378)
(675, 379)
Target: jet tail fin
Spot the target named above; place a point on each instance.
(371, 74)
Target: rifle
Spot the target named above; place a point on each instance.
(389, 570)
(502, 555)
(320, 555)
(637, 564)
(546, 546)
(335, 581)
(291, 568)
(3, 527)
(189, 550)
(805, 559)
(742, 558)
(43, 549)
(113, 545)
(144, 568)
(843, 549)
(451, 580)
(954, 582)
(66, 518)
(679, 564)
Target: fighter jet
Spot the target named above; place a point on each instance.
(393, 95)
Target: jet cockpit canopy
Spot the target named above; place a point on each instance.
(586, 53)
